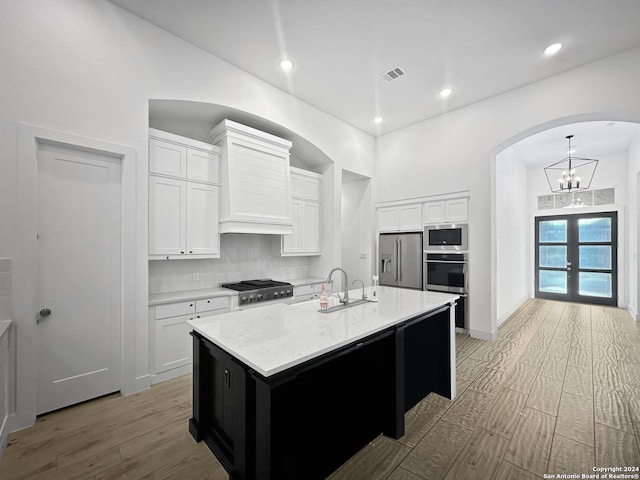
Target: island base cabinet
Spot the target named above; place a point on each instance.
(219, 407)
(425, 353)
(308, 420)
(318, 418)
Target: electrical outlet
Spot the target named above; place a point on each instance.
(196, 276)
(363, 255)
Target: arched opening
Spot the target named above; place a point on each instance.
(518, 180)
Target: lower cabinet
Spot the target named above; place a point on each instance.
(171, 351)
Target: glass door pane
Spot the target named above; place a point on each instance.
(576, 257)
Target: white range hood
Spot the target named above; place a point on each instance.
(255, 196)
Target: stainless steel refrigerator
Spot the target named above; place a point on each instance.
(400, 260)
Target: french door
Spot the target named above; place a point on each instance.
(576, 258)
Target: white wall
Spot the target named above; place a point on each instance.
(356, 230)
(633, 219)
(89, 69)
(512, 235)
(456, 151)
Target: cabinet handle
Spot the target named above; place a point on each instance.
(227, 377)
(181, 252)
(190, 251)
(191, 304)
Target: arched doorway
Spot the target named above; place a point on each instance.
(517, 178)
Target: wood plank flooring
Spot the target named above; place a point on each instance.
(557, 393)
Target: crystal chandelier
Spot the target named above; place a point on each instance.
(571, 174)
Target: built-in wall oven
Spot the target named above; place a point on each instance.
(449, 272)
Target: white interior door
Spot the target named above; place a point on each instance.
(79, 280)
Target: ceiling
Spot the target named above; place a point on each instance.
(341, 48)
(590, 140)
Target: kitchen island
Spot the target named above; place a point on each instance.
(286, 392)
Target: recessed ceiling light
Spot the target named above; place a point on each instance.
(552, 49)
(445, 92)
(377, 120)
(286, 64)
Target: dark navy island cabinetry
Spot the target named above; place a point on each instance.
(306, 419)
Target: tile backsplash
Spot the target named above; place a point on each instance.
(5, 289)
(242, 257)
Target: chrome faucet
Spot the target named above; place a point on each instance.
(364, 295)
(345, 295)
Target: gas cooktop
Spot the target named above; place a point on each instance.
(260, 290)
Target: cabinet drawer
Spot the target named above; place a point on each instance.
(175, 309)
(213, 303)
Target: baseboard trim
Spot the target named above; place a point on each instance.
(482, 335)
(173, 373)
(504, 317)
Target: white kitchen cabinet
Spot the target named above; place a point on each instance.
(183, 219)
(181, 157)
(184, 197)
(172, 345)
(446, 211)
(305, 214)
(402, 218)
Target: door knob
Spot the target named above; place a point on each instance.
(44, 313)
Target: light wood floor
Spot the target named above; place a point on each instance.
(558, 392)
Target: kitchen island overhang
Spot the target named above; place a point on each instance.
(285, 391)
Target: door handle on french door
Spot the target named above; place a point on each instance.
(42, 314)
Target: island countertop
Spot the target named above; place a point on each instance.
(274, 338)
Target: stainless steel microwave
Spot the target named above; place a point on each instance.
(449, 237)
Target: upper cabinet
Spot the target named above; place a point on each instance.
(254, 174)
(305, 210)
(184, 196)
(403, 218)
(446, 211)
(180, 157)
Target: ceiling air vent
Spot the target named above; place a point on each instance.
(393, 74)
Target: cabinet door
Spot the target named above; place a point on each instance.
(310, 232)
(291, 243)
(173, 343)
(410, 217)
(202, 219)
(167, 216)
(434, 212)
(388, 219)
(310, 189)
(203, 166)
(167, 158)
(456, 210)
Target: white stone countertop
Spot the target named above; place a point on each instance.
(171, 297)
(274, 338)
